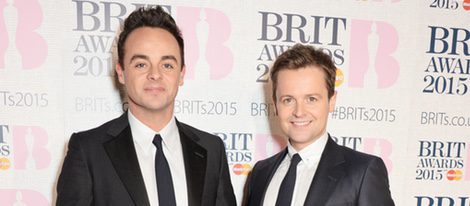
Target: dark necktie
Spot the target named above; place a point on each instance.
(284, 197)
(166, 192)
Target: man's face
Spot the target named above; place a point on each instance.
(152, 70)
(302, 104)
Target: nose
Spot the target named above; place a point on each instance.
(154, 73)
(299, 109)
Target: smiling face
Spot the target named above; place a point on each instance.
(302, 104)
(151, 72)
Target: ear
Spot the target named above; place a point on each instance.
(275, 108)
(332, 102)
(182, 73)
(275, 104)
(120, 73)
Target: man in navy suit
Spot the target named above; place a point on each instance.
(122, 161)
(313, 169)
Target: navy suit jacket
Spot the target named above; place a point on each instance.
(344, 177)
(101, 168)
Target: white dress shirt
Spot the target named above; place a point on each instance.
(305, 172)
(143, 137)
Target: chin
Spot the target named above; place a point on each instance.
(300, 138)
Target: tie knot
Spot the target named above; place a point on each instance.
(157, 141)
(295, 159)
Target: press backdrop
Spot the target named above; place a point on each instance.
(403, 84)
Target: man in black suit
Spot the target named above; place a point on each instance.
(313, 169)
(146, 156)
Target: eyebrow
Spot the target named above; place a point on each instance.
(285, 95)
(306, 95)
(169, 57)
(145, 57)
(139, 56)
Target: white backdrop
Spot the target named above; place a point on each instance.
(402, 84)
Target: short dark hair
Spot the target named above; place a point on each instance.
(149, 17)
(300, 56)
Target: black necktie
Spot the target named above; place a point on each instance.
(284, 197)
(166, 193)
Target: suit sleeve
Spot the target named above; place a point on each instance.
(247, 193)
(225, 195)
(74, 184)
(375, 187)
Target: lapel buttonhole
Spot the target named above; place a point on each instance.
(199, 155)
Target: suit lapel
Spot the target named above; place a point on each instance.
(195, 162)
(330, 170)
(121, 152)
(265, 176)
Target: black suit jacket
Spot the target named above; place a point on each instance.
(101, 168)
(344, 177)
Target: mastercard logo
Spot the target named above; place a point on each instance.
(339, 77)
(241, 169)
(4, 163)
(454, 175)
(466, 4)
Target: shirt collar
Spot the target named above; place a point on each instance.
(170, 134)
(143, 135)
(312, 153)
